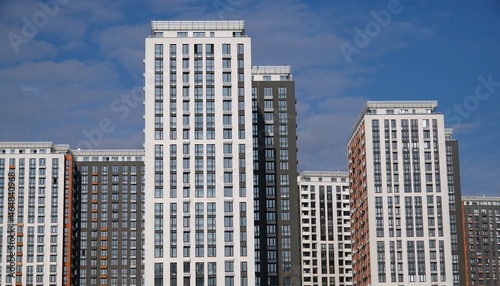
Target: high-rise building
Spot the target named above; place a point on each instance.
(38, 208)
(400, 201)
(198, 154)
(111, 225)
(276, 200)
(482, 239)
(325, 233)
(456, 211)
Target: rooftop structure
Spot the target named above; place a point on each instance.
(197, 25)
(397, 107)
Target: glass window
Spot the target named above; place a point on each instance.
(226, 49)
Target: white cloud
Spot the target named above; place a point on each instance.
(323, 132)
(480, 176)
(112, 45)
(98, 12)
(182, 9)
(15, 48)
(31, 88)
(468, 127)
(68, 72)
(78, 93)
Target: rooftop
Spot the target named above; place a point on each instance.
(431, 104)
(197, 25)
(404, 104)
(481, 200)
(109, 152)
(20, 144)
(268, 70)
(17, 145)
(324, 174)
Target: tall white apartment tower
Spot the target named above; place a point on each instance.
(400, 196)
(325, 229)
(198, 154)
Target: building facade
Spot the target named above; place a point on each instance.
(38, 211)
(276, 201)
(400, 200)
(325, 233)
(482, 239)
(456, 211)
(198, 154)
(111, 224)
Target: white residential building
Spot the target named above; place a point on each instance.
(325, 229)
(401, 199)
(37, 214)
(198, 154)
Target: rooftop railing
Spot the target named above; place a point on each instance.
(197, 25)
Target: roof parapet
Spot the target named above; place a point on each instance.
(324, 174)
(109, 152)
(267, 70)
(238, 25)
(427, 104)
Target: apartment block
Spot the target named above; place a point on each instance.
(276, 201)
(482, 239)
(325, 233)
(38, 211)
(401, 212)
(456, 211)
(198, 154)
(111, 216)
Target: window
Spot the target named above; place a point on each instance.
(226, 105)
(228, 162)
(282, 105)
(268, 91)
(268, 104)
(210, 65)
(158, 51)
(226, 49)
(228, 221)
(228, 251)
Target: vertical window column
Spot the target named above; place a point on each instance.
(158, 230)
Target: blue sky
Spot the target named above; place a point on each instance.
(72, 70)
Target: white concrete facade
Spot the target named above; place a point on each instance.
(325, 228)
(33, 225)
(397, 160)
(198, 154)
